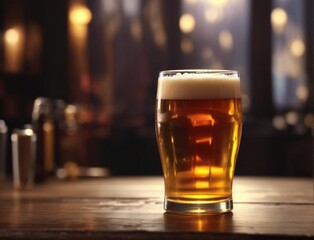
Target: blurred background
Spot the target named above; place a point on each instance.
(97, 61)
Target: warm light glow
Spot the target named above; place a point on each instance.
(297, 47)
(199, 210)
(187, 46)
(292, 117)
(187, 23)
(201, 120)
(219, 3)
(12, 36)
(211, 15)
(202, 171)
(202, 184)
(279, 19)
(226, 40)
(231, 110)
(80, 15)
(302, 93)
(14, 50)
(29, 132)
(208, 140)
(217, 171)
(47, 127)
(200, 225)
(14, 137)
(279, 122)
(70, 109)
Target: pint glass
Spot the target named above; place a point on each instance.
(198, 125)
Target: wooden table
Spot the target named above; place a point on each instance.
(131, 208)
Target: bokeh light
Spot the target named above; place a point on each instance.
(279, 122)
(187, 46)
(292, 117)
(279, 19)
(297, 47)
(226, 40)
(302, 93)
(11, 36)
(80, 15)
(187, 23)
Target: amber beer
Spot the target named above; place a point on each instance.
(198, 128)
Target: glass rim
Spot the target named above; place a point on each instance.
(198, 71)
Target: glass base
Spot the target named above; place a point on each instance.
(198, 208)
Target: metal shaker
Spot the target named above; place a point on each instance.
(23, 156)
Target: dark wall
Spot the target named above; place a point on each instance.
(129, 145)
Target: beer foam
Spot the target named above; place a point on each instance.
(199, 86)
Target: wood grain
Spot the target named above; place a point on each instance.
(131, 208)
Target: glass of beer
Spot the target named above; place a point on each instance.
(198, 125)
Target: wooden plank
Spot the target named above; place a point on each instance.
(246, 189)
(273, 190)
(131, 208)
(112, 216)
